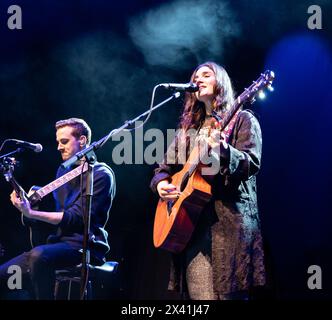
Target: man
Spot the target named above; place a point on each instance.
(64, 249)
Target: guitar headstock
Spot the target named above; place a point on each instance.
(257, 88)
(7, 167)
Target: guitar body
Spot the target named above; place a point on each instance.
(175, 221)
(38, 230)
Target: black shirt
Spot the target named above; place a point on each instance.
(69, 199)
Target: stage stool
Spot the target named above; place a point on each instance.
(73, 275)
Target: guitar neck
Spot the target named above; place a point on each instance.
(15, 186)
(44, 191)
(10, 178)
(234, 108)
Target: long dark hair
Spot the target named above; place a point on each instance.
(194, 111)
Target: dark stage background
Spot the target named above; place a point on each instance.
(100, 60)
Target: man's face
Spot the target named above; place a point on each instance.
(68, 145)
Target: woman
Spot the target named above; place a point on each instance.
(224, 257)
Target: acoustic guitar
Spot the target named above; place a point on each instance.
(36, 193)
(175, 220)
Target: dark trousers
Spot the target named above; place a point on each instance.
(38, 266)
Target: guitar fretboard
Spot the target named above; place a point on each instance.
(42, 192)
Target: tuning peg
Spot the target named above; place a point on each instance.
(270, 88)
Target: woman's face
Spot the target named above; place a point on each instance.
(206, 81)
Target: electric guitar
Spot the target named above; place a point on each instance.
(36, 194)
(175, 220)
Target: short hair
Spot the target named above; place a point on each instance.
(80, 127)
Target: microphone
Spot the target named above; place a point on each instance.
(36, 147)
(190, 87)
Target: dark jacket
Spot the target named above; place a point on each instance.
(69, 200)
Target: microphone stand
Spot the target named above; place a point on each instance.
(4, 160)
(90, 157)
(18, 150)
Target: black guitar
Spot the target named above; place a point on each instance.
(36, 194)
